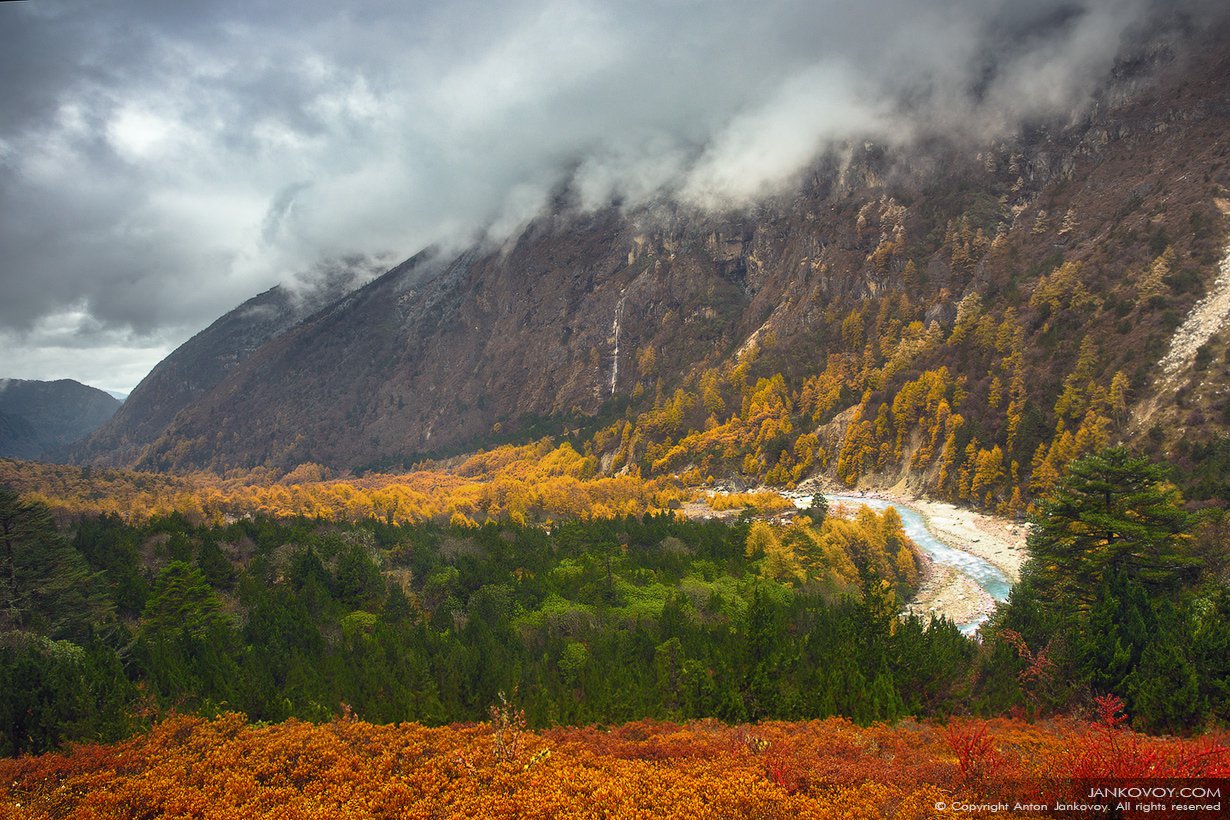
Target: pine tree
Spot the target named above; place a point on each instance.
(46, 586)
(181, 600)
(1164, 690)
(818, 510)
(1118, 628)
(1112, 512)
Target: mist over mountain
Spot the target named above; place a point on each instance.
(1076, 256)
(160, 166)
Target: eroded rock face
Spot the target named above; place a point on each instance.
(435, 353)
(399, 368)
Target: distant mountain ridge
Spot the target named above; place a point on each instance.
(37, 417)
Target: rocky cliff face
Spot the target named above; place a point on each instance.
(1101, 233)
(437, 352)
(37, 417)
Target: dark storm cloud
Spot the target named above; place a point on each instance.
(161, 162)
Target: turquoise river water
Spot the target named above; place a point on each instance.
(983, 573)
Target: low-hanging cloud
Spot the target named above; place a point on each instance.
(160, 163)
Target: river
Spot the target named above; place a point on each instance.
(987, 576)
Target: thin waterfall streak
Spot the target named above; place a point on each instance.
(619, 315)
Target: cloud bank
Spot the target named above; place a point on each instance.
(160, 163)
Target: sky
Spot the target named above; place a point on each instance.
(160, 163)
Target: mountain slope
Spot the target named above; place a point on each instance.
(402, 366)
(199, 364)
(18, 438)
(1034, 283)
(38, 416)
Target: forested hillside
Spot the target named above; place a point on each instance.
(39, 417)
(509, 631)
(606, 621)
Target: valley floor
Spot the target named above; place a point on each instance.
(945, 590)
(997, 540)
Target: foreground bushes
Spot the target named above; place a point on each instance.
(188, 766)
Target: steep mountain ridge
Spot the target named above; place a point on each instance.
(1053, 265)
(199, 364)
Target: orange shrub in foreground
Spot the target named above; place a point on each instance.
(192, 767)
